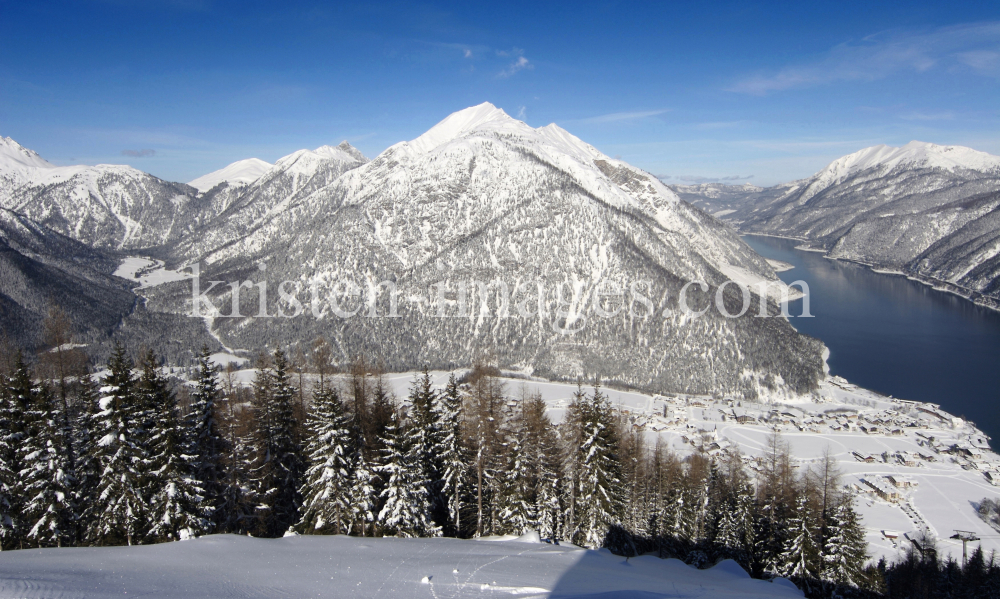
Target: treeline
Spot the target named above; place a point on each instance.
(137, 458)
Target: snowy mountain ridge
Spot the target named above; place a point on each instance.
(484, 197)
(930, 211)
(13, 155)
(914, 155)
(241, 171)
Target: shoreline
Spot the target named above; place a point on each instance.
(974, 297)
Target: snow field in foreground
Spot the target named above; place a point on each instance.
(339, 566)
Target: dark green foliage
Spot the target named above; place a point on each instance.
(207, 445)
(279, 468)
(122, 512)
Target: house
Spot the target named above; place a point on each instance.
(863, 458)
(881, 489)
(901, 482)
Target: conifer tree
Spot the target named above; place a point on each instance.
(15, 394)
(798, 557)
(326, 507)
(514, 507)
(406, 508)
(86, 455)
(424, 431)
(46, 478)
(363, 496)
(120, 510)
(176, 504)
(540, 449)
(239, 511)
(452, 453)
(845, 550)
(280, 466)
(599, 498)
(207, 443)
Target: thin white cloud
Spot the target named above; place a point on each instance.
(971, 46)
(986, 62)
(928, 116)
(467, 52)
(522, 112)
(616, 117)
(520, 64)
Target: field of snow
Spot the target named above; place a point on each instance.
(339, 566)
(148, 272)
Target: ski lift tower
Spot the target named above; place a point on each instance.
(964, 536)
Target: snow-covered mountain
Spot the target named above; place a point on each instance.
(237, 173)
(928, 210)
(108, 206)
(39, 267)
(235, 211)
(484, 197)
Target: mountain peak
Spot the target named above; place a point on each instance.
(13, 154)
(920, 154)
(241, 171)
(350, 150)
(458, 123)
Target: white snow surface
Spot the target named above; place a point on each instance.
(148, 272)
(339, 566)
(241, 171)
(918, 154)
(15, 156)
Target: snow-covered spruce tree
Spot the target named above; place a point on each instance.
(452, 454)
(176, 505)
(207, 443)
(799, 554)
(326, 507)
(512, 484)
(239, 512)
(120, 509)
(845, 551)
(571, 437)
(86, 457)
(46, 477)
(406, 508)
(279, 473)
(425, 433)
(15, 400)
(363, 496)
(599, 499)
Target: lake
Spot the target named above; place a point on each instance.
(897, 336)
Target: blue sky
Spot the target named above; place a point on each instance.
(717, 91)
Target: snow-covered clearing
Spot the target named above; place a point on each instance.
(338, 566)
(148, 272)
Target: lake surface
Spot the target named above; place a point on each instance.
(897, 336)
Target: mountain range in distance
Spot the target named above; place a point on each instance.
(482, 198)
(928, 211)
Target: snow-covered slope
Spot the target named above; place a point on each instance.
(239, 172)
(238, 211)
(482, 197)
(931, 211)
(339, 566)
(39, 266)
(109, 206)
